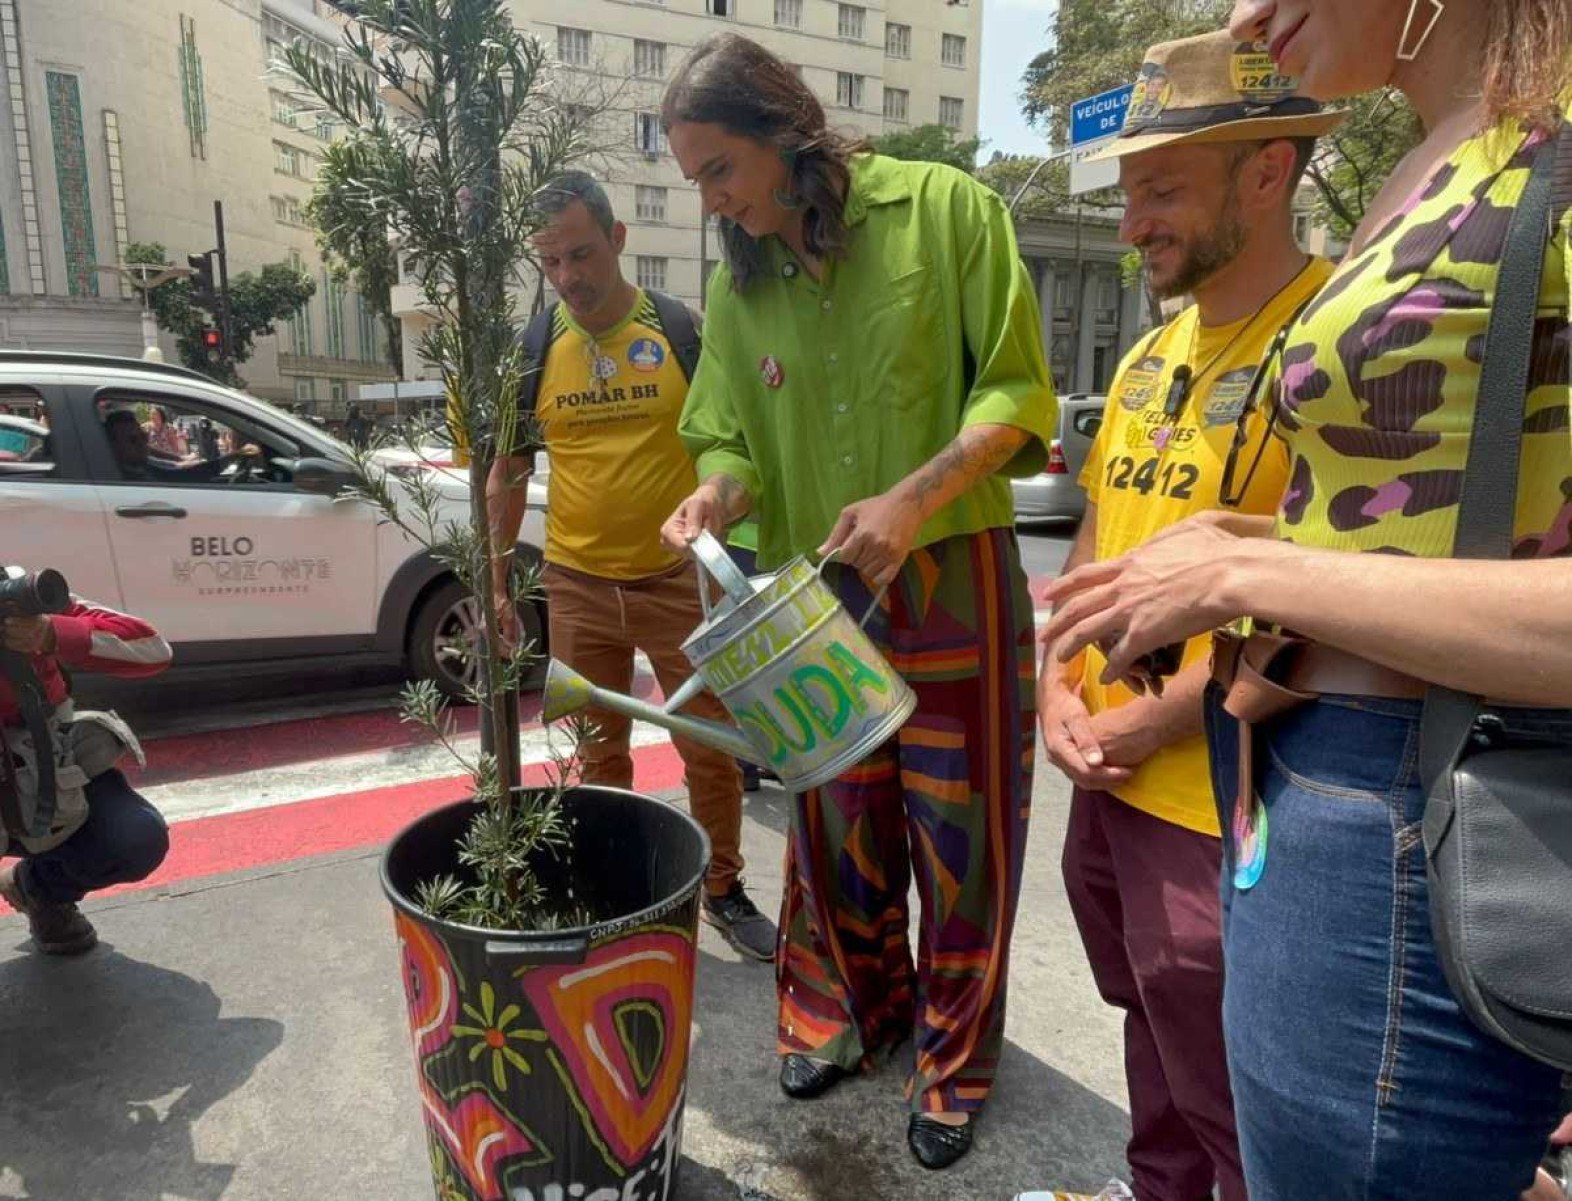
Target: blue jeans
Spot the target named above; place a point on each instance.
(123, 840)
(1356, 1077)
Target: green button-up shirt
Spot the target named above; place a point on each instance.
(817, 394)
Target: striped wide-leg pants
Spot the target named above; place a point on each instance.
(946, 803)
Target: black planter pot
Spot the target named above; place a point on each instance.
(553, 1066)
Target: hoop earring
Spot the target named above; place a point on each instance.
(1409, 53)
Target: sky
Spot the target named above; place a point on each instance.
(1014, 32)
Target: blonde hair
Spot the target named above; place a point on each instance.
(1528, 60)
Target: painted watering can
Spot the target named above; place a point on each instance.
(810, 693)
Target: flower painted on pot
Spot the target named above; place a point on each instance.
(491, 1033)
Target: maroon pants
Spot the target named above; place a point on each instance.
(1145, 896)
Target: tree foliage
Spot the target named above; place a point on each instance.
(258, 300)
(455, 128)
(354, 239)
(932, 144)
(1099, 44)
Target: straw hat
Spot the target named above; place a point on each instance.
(1213, 88)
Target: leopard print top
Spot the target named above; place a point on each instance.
(1377, 383)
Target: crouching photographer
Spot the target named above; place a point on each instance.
(65, 808)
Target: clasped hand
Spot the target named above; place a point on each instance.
(1165, 591)
(29, 635)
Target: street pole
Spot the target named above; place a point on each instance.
(144, 278)
(1076, 310)
(225, 329)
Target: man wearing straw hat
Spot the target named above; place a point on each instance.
(1213, 147)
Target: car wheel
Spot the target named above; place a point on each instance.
(446, 631)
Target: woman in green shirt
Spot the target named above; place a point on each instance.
(872, 371)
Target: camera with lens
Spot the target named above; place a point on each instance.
(31, 593)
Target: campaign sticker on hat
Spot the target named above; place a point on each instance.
(646, 354)
(771, 371)
(604, 366)
(1249, 844)
(1149, 97)
(1255, 74)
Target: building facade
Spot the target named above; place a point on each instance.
(101, 149)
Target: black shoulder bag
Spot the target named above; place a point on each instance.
(1498, 811)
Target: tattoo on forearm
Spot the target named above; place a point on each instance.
(974, 454)
(734, 498)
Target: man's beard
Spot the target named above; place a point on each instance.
(1206, 255)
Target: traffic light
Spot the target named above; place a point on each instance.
(203, 290)
(212, 340)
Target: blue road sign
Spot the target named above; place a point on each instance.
(1099, 116)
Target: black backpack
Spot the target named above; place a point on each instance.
(676, 322)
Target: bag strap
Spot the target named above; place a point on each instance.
(535, 342)
(1488, 505)
(676, 322)
(35, 710)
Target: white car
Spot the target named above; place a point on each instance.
(237, 545)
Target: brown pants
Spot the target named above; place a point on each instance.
(595, 626)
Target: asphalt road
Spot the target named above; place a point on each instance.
(178, 707)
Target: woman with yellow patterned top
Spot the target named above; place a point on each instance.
(1355, 1072)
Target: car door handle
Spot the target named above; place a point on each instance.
(151, 510)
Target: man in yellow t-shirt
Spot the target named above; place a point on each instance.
(1213, 146)
(610, 383)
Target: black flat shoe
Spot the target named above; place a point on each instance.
(935, 1144)
(802, 1078)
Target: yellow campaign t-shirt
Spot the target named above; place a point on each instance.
(608, 408)
(1147, 471)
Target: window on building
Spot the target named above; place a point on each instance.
(333, 309)
(649, 204)
(650, 272)
(721, 8)
(852, 22)
(1064, 289)
(952, 50)
(895, 103)
(1302, 230)
(305, 389)
(284, 110)
(286, 159)
(952, 111)
(288, 210)
(325, 127)
(788, 14)
(897, 41)
(647, 133)
(848, 89)
(338, 392)
(649, 59)
(573, 46)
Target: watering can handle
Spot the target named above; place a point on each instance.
(722, 568)
(873, 605)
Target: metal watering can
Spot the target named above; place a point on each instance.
(810, 693)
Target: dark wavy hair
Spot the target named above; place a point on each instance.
(750, 93)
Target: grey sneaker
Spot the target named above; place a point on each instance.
(58, 928)
(740, 922)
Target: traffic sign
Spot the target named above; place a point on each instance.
(1094, 122)
(1099, 116)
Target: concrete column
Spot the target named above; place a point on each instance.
(1086, 324)
(1045, 286)
(1132, 305)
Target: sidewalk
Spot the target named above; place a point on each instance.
(242, 1037)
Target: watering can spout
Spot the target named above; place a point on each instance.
(568, 692)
